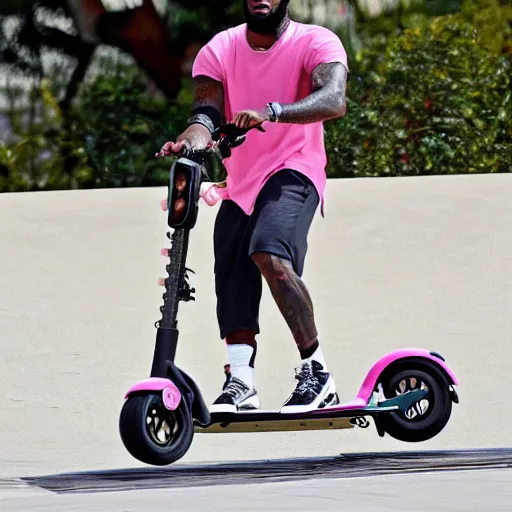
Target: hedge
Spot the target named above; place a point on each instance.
(107, 139)
(435, 99)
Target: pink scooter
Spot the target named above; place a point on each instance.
(408, 393)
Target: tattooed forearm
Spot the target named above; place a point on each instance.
(291, 296)
(327, 101)
(208, 93)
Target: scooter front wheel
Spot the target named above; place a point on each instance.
(152, 433)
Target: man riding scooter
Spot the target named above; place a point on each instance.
(289, 77)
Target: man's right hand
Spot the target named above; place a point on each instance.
(174, 148)
(195, 137)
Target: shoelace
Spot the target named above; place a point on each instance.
(235, 387)
(306, 378)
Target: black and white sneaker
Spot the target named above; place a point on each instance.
(236, 396)
(315, 390)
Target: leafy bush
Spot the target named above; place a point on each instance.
(123, 127)
(41, 155)
(107, 139)
(435, 101)
(493, 19)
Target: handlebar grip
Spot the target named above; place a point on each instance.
(233, 132)
(228, 136)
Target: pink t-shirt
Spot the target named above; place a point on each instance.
(252, 79)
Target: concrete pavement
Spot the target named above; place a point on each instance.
(413, 262)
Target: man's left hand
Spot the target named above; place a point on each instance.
(250, 118)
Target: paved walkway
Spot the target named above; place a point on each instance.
(396, 263)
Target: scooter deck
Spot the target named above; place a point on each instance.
(341, 416)
(330, 418)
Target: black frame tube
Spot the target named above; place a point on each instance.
(165, 350)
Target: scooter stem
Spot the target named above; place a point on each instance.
(176, 290)
(176, 287)
(165, 350)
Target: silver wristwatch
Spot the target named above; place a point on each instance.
(274, 111)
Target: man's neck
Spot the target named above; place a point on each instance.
(266, 41)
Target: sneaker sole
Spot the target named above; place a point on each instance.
(327, 397)
(249, 404)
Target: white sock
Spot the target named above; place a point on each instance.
(317, 356)
(239, 359)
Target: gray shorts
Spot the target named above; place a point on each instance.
(279, 225)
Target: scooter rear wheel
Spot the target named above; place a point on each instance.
(424, 419)
(153, 434)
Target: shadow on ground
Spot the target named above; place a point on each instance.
(267, 471)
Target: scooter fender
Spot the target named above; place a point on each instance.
(376, 370)
(171, 395)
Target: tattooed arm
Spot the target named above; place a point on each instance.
(327, 100)
(207, 93)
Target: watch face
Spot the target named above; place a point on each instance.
(278, 110)
(272, 113)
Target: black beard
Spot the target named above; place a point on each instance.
(266, 24)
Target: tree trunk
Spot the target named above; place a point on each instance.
(86, 14)
(140, 32)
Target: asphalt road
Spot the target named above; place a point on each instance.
(417, 262)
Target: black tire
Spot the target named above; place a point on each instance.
(140, 438)
(427, 424)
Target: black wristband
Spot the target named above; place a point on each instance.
(211, 113)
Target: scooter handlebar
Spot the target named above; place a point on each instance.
(226, 137)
